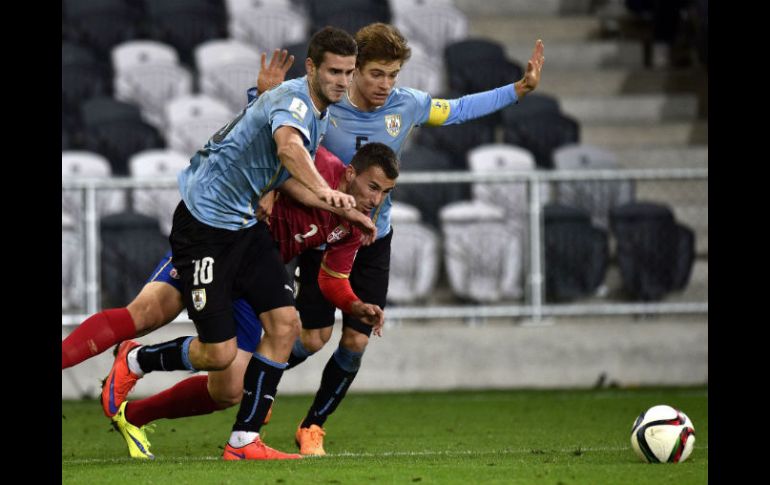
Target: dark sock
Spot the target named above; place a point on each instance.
(187, 398)
(259, 386)
(298, 354)
(334, 385)
(96, 334)
(166, 356)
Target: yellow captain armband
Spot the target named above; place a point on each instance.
(439, 112)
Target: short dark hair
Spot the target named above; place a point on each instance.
(378, 154)
(333, 40)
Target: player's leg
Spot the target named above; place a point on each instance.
(316, 313)
(193, 396)
(267, 287)
(157, 303)
(369, 279)
(207, 261)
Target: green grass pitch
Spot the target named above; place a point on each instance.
(561, 437)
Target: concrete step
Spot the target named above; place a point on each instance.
(641, 108)
(669, 134)
(665, 157)
(580, 55)
(516, 29)
(473, 8)
(608, 81)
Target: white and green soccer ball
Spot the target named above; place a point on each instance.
(663, 434)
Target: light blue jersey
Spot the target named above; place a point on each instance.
(391, 124)
(224, 181)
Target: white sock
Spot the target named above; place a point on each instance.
(133, 364)
(239, 439)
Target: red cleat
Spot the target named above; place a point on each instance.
(119, 381)
(256, 450)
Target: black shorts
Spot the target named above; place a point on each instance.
(217, 266)
(369, 280)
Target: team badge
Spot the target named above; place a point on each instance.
(338, 233)
(199, 299)
(393, 124)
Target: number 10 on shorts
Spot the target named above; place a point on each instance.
(204, 271)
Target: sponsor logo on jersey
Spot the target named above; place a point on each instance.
(337, 234)
(393, 124)
(199, 299)
(298, 108)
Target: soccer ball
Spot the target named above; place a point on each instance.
(663, 434)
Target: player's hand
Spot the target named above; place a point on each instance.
(532, 75)
(272, 75)
(265, 207)
(363, 222)
(335, 198)
(369, 314)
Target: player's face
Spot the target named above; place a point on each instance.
(330, 80)
(369, 187)
(375, 80)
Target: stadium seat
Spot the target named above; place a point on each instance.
(414, 257)
(475, 65)
(186, 23)
(116, 130)
(576, 253)
(265, 25)
(84, 164)
(655, 253)
(595, 196)
(456, 140)
(422, 72)
(101, 24)
(349, 15)
(226, 69)
(157, 203)
(510, 196)
(530, 105)
(483, 254)
(433, 27)
(193, 119)
(428, 198)
(541, 134)
(131, 246)
(299, 51)
(148, 74)
(82, 77)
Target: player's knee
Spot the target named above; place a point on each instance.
(227, 397)
(313, 342)
(146, 315)
(354, 341)
(216, 358)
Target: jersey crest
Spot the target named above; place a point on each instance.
(337, 234)
(393, 124)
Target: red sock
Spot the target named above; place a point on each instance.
(95, 335)
(188, 398)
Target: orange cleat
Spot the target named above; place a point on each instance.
(311, 440)
(256, 450)
(119, 381)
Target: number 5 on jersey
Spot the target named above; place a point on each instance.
(204, 271)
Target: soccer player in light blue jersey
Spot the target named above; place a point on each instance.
(221, 252)
(374, 110)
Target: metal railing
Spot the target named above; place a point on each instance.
(535, 307)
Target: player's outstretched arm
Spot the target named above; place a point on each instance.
(273, 74)
(531, 77)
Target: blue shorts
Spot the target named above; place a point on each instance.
(248, 325)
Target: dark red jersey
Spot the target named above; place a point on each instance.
(296, 227)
